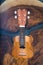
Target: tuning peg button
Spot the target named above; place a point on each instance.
(15, 16)
(28, 17)
(15, 12)
(28, 12)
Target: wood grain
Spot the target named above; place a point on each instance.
(8, 21)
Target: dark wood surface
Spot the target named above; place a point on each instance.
(6, 46)
(9, 23)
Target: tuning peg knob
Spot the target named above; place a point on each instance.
(28, 12)
(15, 12)
(15, 16)
(28, 17)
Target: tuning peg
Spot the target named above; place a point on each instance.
(28, 12)
(15, 16)
(15, 12)
(28, 17)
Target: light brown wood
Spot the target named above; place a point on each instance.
(22, 61)
(27, 52)
(10, 3)
(8, 60)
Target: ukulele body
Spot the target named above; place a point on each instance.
(22, 47)
(26, 52)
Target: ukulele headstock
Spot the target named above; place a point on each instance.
(22, 15)
(18, 50)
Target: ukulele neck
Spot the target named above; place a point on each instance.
(21, 22)
(22, 37)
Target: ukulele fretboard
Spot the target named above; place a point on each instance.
(22, 37)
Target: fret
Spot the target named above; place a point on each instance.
(22, 37)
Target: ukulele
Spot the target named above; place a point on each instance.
(22, 46)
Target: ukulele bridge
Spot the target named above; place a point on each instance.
(22, 52)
